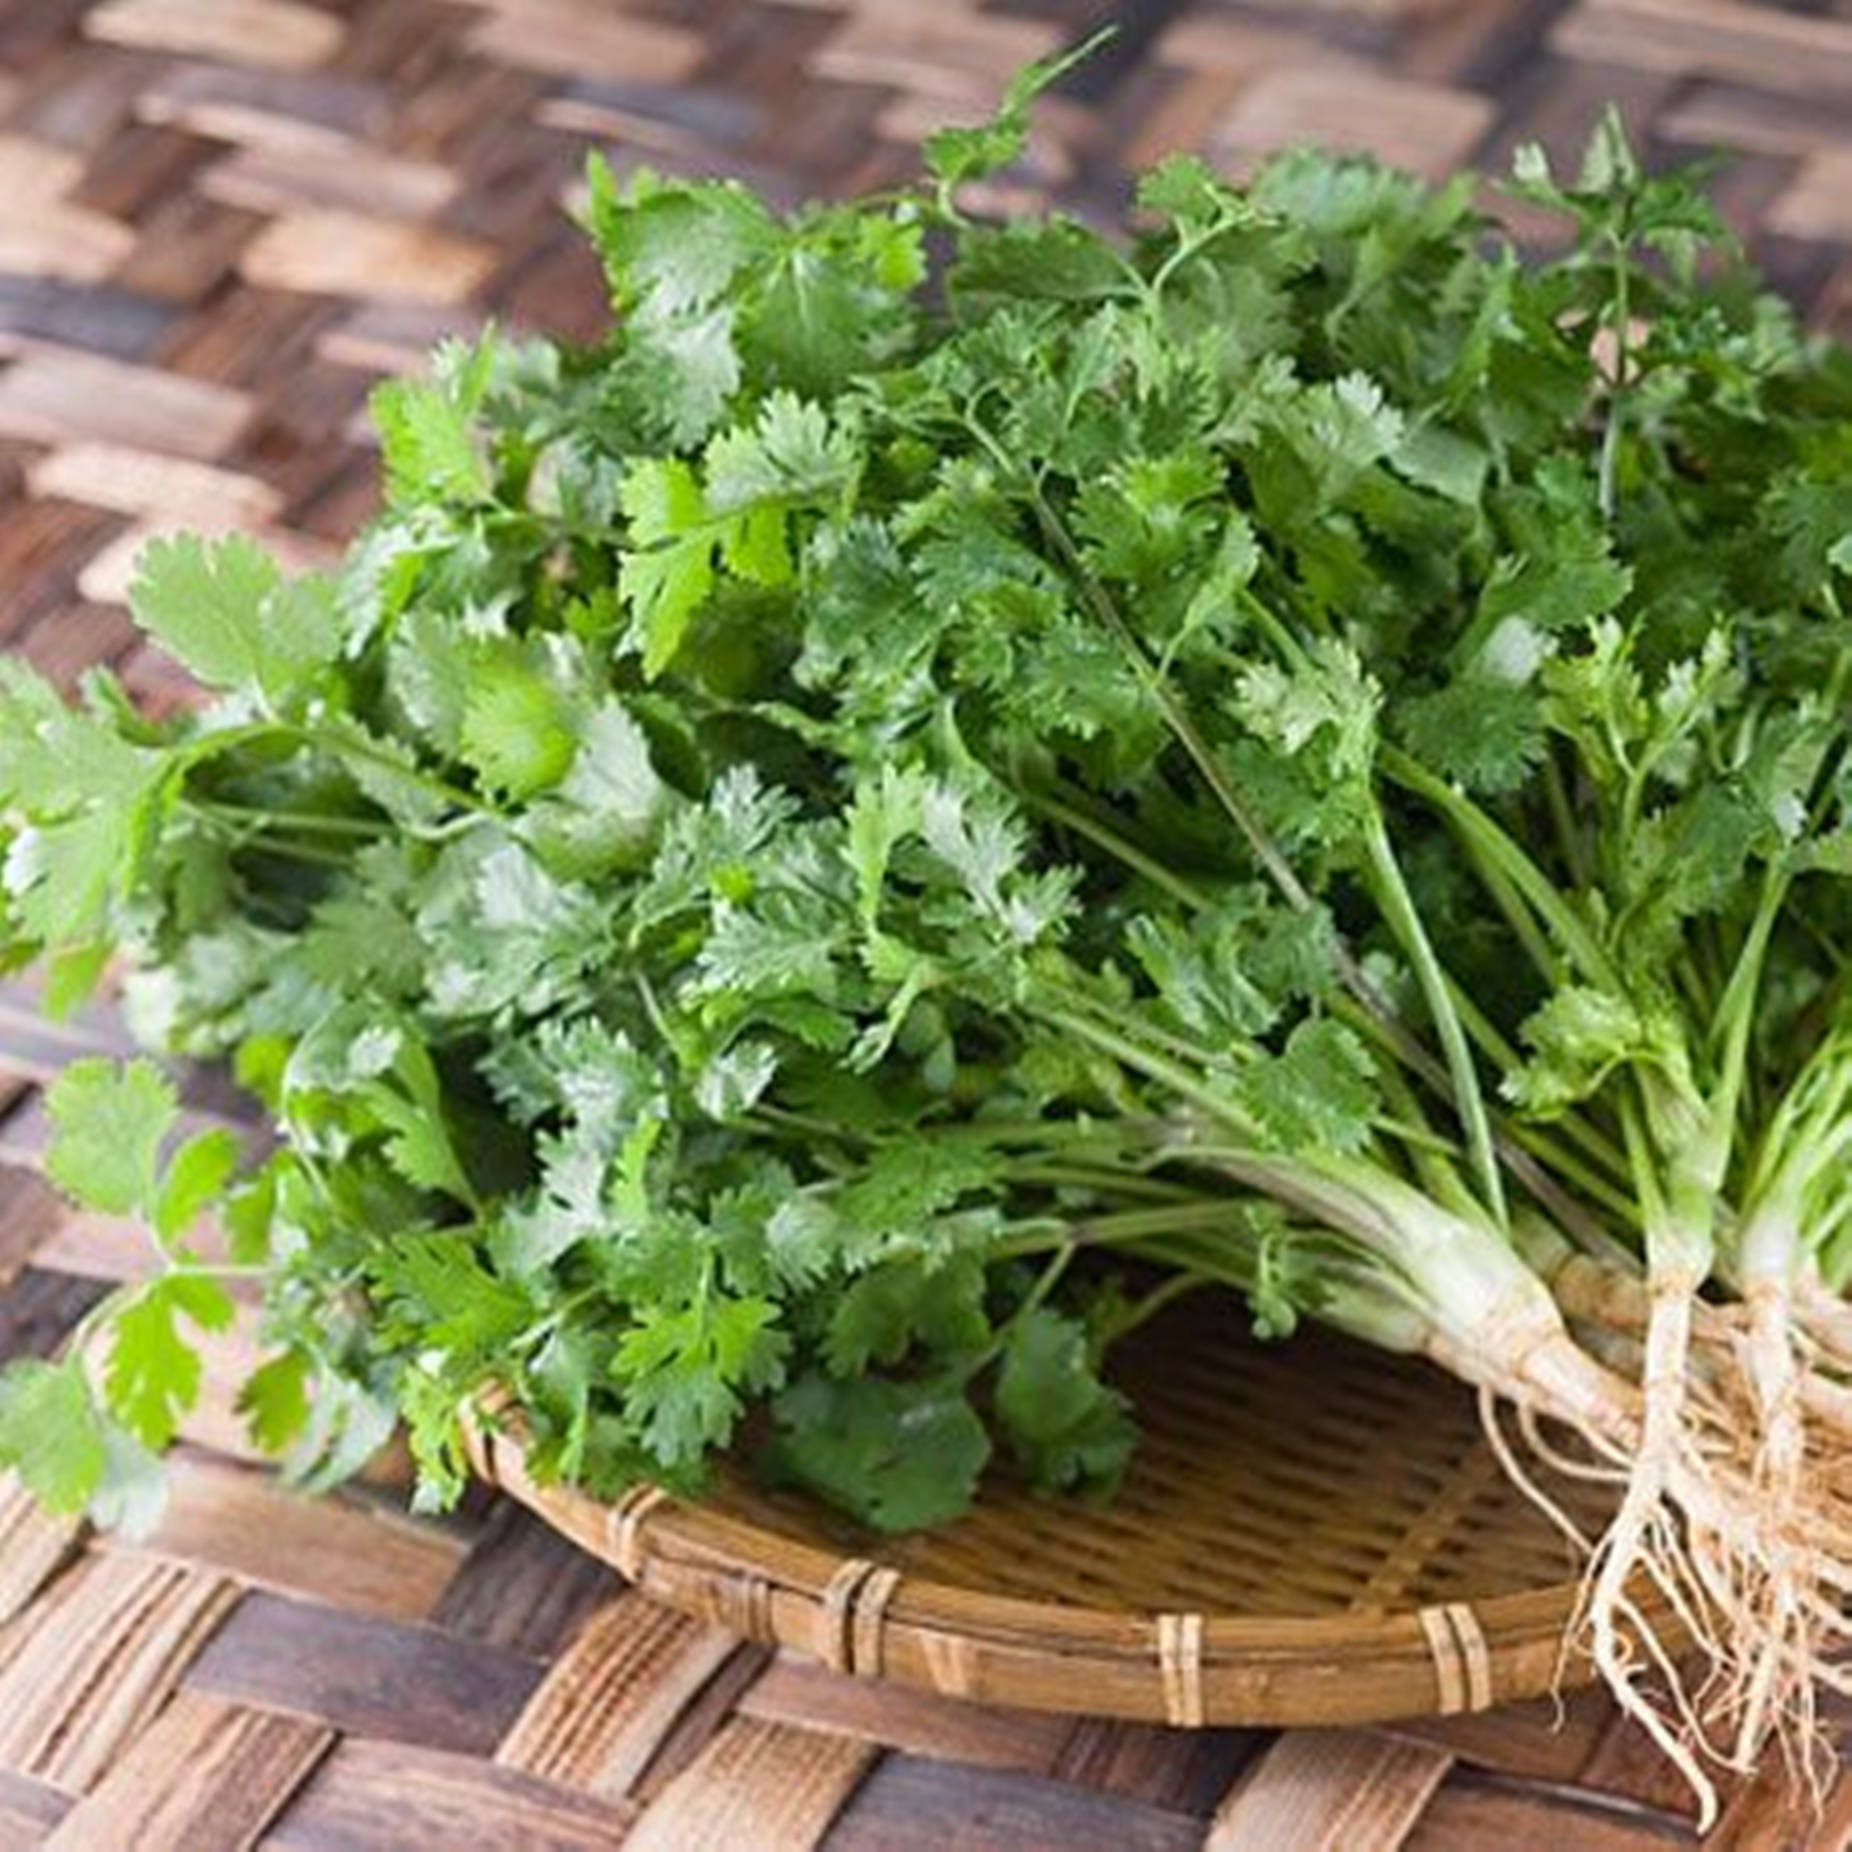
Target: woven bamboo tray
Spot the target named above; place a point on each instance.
(1309, 1533)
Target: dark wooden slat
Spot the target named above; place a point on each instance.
(371, 1677)
(64, 644)
(79, 103)
(695, 1727)
(23, 1130)
(31, 32)
(908, 1803)
(43, 544)
(1330, 1788)
(370, 1795)
(242, 102)
(38, 1310)
(1136, 25)
(523, 1587)
(139, 168)
(92, 315)
(1183, 1771)
(29, 1211)
(1471, 1811)
(1626, 1766)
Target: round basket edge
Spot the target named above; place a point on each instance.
(1189, 1670)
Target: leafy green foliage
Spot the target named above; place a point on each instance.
(50, 1434)
(957, 155)
(153, 1373)
(689, 1370)
(108, 1125)
(1068, 1428)
(225, 612)
(682, 529)
(830, 852)
(900, 1456)
(427, 432)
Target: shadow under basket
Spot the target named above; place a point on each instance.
(1309, 1533)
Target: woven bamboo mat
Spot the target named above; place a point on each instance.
(220, 221)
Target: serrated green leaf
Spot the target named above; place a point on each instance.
(72, 975)
(954, 156)
(426, 428)
(153, 1373)
(224, 611)
(900, 1456)
(669, 571)
(194, 1182)
(675, 245)
(790, 452)
(1318, 1094)
(881, 1315)
(1065, 1426)
(686, 1371)
(50, 1434)
(108, 1122)
(55, 759)
(516, 733)
(61, 877)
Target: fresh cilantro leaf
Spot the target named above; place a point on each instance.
(108, 1123)
(673, 245)
(881, 1315)
(61, 877)
(607, 810)
(516, 733)
(791, 452)
(954, 156)
(50, 1434)
(670, 571)
(1319, 1093)
(445, 1296)
(274, 1400)
(426, 429)
(900, 1456)
(687, 1370)
(55, 759)
(195, 1180)
(1485, 733)
(1065, 1426)
(1578, 1038)
(224, 611)
(153, 1374)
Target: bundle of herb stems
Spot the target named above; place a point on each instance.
(828, 857)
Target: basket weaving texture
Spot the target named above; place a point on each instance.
(1305, 1536)
(220, 222)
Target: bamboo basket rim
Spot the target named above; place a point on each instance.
(663, 1526)
(1200, 1666)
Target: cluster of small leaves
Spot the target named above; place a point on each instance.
(803, 825)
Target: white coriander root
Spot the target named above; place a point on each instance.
(1711, 1600)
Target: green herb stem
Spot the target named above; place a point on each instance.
(1411, 934)
(1486, 838)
